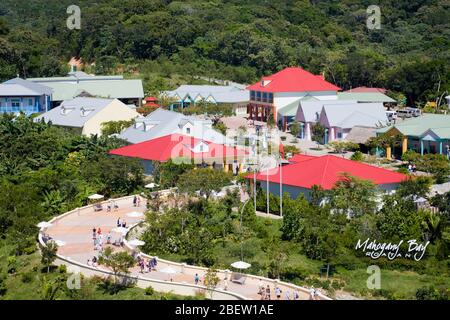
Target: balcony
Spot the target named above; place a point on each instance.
(25, 109)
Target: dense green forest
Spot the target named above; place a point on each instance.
(235, 40)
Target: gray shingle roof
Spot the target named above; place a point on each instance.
(20, 87)
(355, 114)
(310, 108)
(75, 112)
(167, 122)
(221, 94)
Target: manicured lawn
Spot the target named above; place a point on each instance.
(402, 284)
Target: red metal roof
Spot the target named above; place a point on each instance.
(176, 146)
(293, 79)
(300, 158)
(367, 89)
(325, 171)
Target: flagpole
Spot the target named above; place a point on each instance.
(281, 188)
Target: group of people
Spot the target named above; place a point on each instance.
(121, 223)
(265, 292)
(137, 201)
(411, 168)
(46, 238)
(147, 265)
(112, 204)
(97, 236)
(93, 262)
(313, 294)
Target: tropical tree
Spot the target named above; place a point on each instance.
(343, 146)
(114, 127)
(295, 129)
(203, 180)
(211, 280)
(353, 196)
(118, 262)
(51, 287)
(318, 133)
(48, 254)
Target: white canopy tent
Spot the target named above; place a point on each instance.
(136, 242)
(44, 224)
(241, 265)
(95, 196)
(135, 214)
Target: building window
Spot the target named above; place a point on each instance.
(30, 102)
(252, 95)
(264, 97)
(188, 130)
(339, 135)
(258, 96)
(270, 97)
(15, 103)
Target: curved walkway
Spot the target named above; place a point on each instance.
(74, 228)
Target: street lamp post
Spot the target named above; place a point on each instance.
(240, 227)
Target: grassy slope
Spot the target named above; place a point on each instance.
(403, 284)
(17, 289)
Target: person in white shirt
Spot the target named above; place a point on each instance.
(287, 295)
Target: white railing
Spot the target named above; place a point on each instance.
(164, 286)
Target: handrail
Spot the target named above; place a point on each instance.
(183, 266)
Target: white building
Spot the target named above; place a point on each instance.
(286, 88)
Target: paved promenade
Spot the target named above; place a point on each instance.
(75, 230)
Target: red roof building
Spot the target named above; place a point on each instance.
(293, 79)
(324, 171)
(296, 158)
(285, 89)
(151, 102)
(175, 146)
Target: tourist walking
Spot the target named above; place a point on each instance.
(278, 292)
(94, 233)
(119, 223)
(296, 295)
(267, 293)
(312, 293)
(225, 284)
(138, 201)
(287, 295)
(260, 287)
(134, 201)
(108, 238)
(196, 279)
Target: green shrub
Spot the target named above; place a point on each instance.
(336, 285)
(357, 156)
(403, 170)
(3, 287)
(12, 264)
(62, 268)
(28, 277)
(149, 291)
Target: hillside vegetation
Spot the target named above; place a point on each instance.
(170, 42)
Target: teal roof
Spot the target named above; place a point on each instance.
(290, 110)
(417, 127)
(364, 96)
